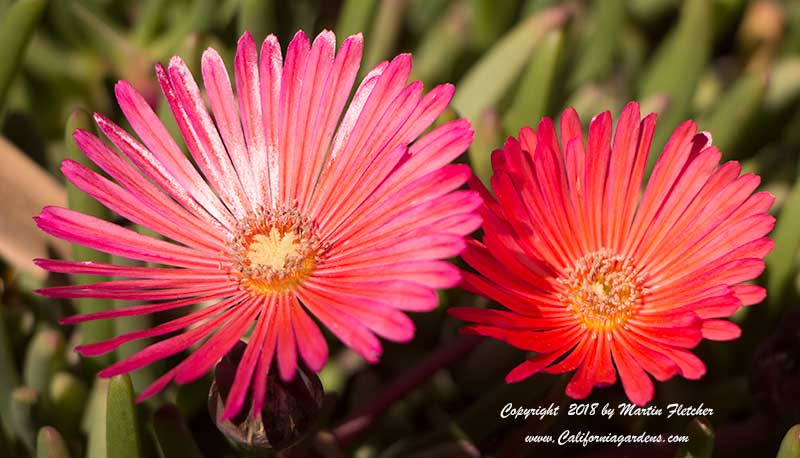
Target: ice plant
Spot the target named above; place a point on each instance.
(293, 209)
(596, 273)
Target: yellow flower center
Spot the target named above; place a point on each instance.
(274, 251)
(603, 289)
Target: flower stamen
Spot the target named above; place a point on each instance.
(603, 289)
(274, 251)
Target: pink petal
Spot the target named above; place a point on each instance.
(622, 166)
(103, 347)
(203, 359)
(163, 159)
(660, 366)
(113, 270)
(291, 87)
(538, 341)
(530, 367)
(220, 96)
(380, 316)
(310, 341)
(638, 386)
(202, 137)
(147, 308)
(130, 207)
(432, 274)
(287, 342)
(348, 330)
(690, 365)
(101, 235)
(749, 294)
(720, 330)
(263, 367)
(266, 165)
(337, 87)
(244, 371)
(666, 171)
(168, 347)
(504, 319)
(312, 81)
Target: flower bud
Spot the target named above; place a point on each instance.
(290, 410)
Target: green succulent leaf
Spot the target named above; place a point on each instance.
(492, 76)
(50, 444)
(781, 261)
(98, 330)
(729, 118)
(44, 357)
(9, 374)
(596, 58)
(123, 439)
(676, 68)
(24, 404)
(354, 17)
(536, 93)
(257, 17)
(16, 29)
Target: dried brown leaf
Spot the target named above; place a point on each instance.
(24, 189)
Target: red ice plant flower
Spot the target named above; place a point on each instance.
(596, 274)
(293, 209)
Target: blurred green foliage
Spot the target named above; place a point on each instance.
(733, 65)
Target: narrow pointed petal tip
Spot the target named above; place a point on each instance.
(448, 90)
(121, 90)
(327, 35)
(529, 368)
(78, 135)
(601, 117)
(161, 72)
(232, 409)
(633, 107)
(177, 62)
(107, 372)
(68, 165)
(247, 37)
(403, 61)
(270, 41)
(68, 320)
(682, 270)
(299, 40)
(128, 98)
(210, 55)
(356, 39)
(516, 376)
(93, 349)
(105, 124)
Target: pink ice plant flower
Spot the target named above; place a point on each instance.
(293, 209)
